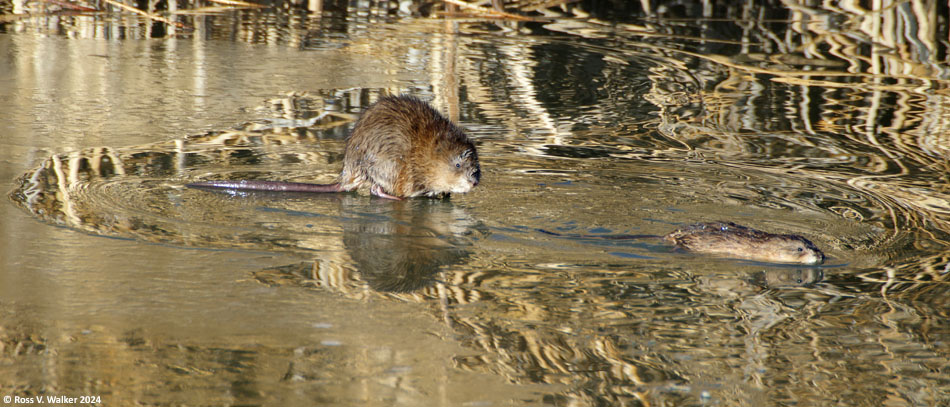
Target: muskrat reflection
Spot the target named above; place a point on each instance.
(788, 278)
(401, 246)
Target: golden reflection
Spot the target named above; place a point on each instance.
(401, 248)
(125, 192)
(538, 338)
(821, 114)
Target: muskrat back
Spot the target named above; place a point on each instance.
(732, 240)
(728, 239)
(406, 148)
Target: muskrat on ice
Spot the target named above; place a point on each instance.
(400, 148)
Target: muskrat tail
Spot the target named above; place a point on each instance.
(270, 186)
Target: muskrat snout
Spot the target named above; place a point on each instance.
(464, 172)
(797, 249)
(811, 255)
(476, 176)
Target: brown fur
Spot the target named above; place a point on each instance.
(728, 239)
(400, 147)
(732, 240)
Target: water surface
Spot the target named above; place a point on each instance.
(117, 281)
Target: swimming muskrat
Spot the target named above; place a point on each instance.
(728, 239)
(400, 148)
(732, 240)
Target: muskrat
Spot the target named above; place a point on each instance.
(731, 240)
(400, 148)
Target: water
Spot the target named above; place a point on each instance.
(118, 282)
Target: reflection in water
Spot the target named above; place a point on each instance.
(395, 247)
(792, 277)
(823, 122)
(401, 247)
(138, 191)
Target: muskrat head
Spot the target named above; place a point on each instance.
(794, 249)
(458, 173)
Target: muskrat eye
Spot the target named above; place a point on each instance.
(801, 249)
(458, 165)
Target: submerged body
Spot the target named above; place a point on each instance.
(399, 148)
(728, 239)
(732, 240)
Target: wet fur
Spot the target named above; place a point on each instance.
(400, 148)
(732, 240)
(400, 143)
(728, 239)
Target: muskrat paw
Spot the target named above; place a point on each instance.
(378, 191)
